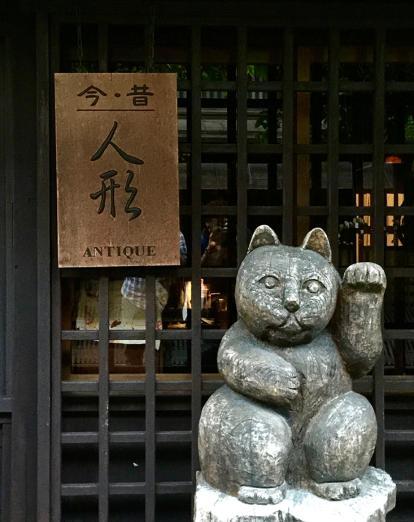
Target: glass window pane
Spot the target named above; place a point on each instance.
(311, 57)
(357, 56)
(265, 180)
(218, 308)
(264, 55)
(399, 56)
(218, 241)
(399, 117)
(264, 117)
(311, 180)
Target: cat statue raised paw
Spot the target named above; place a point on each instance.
(286, 415)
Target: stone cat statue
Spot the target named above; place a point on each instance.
(287, 413)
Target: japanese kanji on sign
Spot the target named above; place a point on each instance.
(117, 169)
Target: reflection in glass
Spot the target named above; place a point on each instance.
(356, 117)
(399, 117)
(355, 180)
(218, 180)
(265, 180)
(175, 356)
(218, 248)
(311, 118)
(260, 72)
(264, 117)
(357, 71)
(182, 113)
(264, 55)
(399, 314)
(399, 56)
(214, 72)
(127, 302)
(311, 56)
(124, 357)
(218, 52)
(127, 310)
(218, 309)
(217, 117)
(214, 176)
(399, 303)
(399, 356)
(356, 55)
(184, 166)
(354, 239)
(399, 225)
(177, 311)
(311, 180)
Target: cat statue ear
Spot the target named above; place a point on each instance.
(318, 241)
(263, 235)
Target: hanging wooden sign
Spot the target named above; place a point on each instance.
(117, 169)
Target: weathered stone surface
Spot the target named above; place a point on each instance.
(375, 500)
(287, 413)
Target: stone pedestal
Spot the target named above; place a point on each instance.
(376, 499)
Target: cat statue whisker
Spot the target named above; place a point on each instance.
(286, 416)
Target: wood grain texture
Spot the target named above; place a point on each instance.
(117, 169)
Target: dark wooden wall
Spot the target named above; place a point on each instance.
(18, 267)
(18, 287)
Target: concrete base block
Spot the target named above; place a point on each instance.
(376, 499)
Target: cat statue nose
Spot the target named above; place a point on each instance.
(291, 305)
(291, 296)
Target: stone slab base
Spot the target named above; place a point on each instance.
(376, 499)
